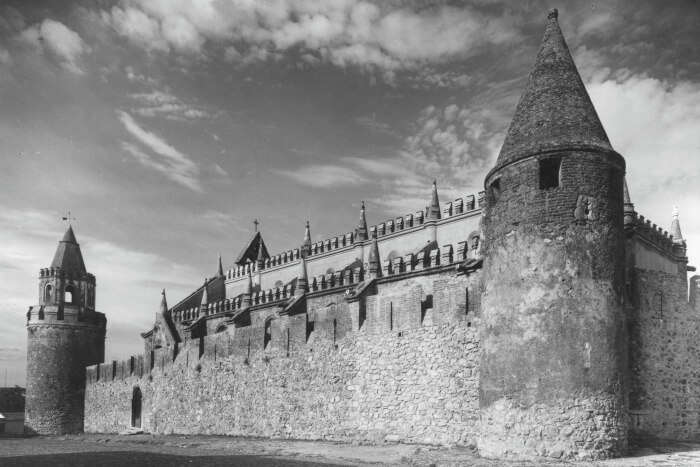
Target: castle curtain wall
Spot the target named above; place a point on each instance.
(664, 343)
(407, 373)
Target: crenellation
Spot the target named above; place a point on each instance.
(458, 206)
(447, 254)
(387, 268)
(447, 210)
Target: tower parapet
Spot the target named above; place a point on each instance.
(64, 335)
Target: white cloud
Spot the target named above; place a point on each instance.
(163, 158)
(137, 26)
(58, 41)
(655, 125)
(346, 32)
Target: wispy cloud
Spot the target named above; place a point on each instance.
(324, 176)
(371, 123)
(162, 157)
(159, 103)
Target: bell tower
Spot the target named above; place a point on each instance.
(553, 363)
(64, 335)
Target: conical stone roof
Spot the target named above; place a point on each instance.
(555, 111)
(68, 256)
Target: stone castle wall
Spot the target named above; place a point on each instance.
(664, 323)
(398, 365)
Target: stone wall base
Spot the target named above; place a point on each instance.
(582, 428)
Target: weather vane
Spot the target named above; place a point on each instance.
(255, 225)
(68, 218)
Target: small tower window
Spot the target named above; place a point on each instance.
(549, 172)
(47, 293)
(70, 294)
(268, 333)
(658, 305)
(466, 301)
(495, 190)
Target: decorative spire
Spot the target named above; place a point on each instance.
(220, 272)
(306, 244)
(249, 285)
(260, 260)
(247, 299)
(68, 256)
(434, 207)
(630, 214)
(676, 227)
(626, 192)
(374, 263)
(555, 111)
(302, 278)
(163, 304)
(361, 232)
(205, 295)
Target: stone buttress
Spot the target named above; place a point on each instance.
(553, 364)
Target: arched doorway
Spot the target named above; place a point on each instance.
(136, 408)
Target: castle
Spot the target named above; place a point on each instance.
(543, 317)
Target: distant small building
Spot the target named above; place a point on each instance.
(11, 411)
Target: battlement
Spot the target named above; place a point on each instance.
(470, 204)
(64, 274)
(64, 314)
(229, 305)
(653, 234)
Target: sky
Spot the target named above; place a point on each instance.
(167, 126)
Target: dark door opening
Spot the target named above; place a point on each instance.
(136, 408)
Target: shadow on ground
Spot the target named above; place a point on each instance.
(134, 459)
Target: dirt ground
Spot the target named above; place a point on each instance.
(148, 450)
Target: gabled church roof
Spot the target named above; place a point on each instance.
(555, 110)
(249, 253)
(68, 256)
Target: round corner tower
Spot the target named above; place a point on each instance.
(553, 362)
(64, 335)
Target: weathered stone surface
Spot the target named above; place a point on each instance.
(420, 386)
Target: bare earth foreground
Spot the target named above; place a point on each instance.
(141, 450)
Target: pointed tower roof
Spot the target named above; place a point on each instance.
(433, 211)
(163, 304)
(555, 111)
(626, 192)
(676, 227)
(205, 294)
(361, 232)
(374, 263)
(220, 272)
(68, 256)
